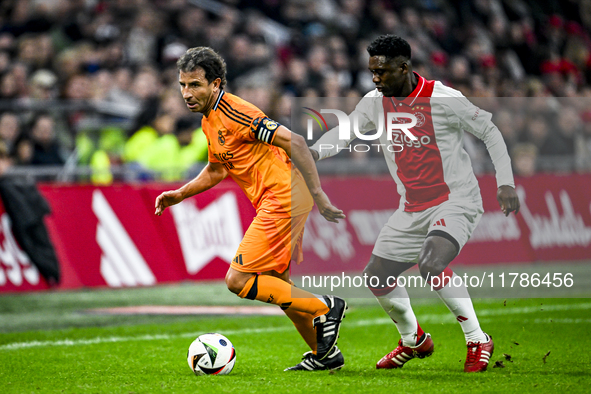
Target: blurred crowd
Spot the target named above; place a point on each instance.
(94, 82)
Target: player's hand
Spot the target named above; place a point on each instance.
(326, 209)
(167, 199)
(508, 199)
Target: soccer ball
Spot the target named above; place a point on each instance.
(211, 354)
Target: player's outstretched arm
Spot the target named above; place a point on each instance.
(508, 199)
(298, 151)
(211, 175)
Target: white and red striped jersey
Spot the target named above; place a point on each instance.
(434, 168)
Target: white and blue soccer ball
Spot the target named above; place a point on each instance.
(211, 354)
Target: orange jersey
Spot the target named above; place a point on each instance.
(240, 137)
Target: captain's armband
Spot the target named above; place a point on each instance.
(264, 129)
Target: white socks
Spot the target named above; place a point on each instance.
(397, 305)
(458, 301)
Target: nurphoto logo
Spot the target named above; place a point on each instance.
(397, 128)
(393, 123)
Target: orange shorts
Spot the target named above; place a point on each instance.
(270, 244)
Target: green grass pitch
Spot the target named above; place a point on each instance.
(49, 343)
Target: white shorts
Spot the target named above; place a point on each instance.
(402, 237)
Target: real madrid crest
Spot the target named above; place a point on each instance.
(269, 124)
(221, 138)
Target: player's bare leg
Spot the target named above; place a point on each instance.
(436, 254)
(396, 303)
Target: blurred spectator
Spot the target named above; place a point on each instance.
(459, 71)
(154, 147)
(331, 86)
(14, 82)
(143, 36)
(22, 151)
(43, 85)
(568, 125)
(77, 87)
(69, 62)
(119, 90)
(170, 146)
(8, 88)
(10, 129)
(138, 143)
(191, 23)
(296, 76)
(240, 57)
(146, 89)
(318, 66)
(46, 150)
(282, 110)
(524, 158)
(36, 51)
(101, 168)
(256, 94)
(543, 137)
(101, 85)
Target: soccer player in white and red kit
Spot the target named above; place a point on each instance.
(440, 202)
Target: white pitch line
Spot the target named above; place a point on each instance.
(430, 318)
(98, 340)
(543, 321)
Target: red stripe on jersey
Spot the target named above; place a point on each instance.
(420, 167)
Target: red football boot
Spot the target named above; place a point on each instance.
(399, 356)
(478, 355)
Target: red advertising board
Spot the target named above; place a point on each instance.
(109, 236)
(16, 271)
(553, 224)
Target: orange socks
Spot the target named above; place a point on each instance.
(273, 290)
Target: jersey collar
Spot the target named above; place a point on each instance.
(419, 91)
(217, 102)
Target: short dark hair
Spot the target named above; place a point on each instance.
(206, 58)
(390, 46)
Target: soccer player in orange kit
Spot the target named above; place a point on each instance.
(257, 153)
